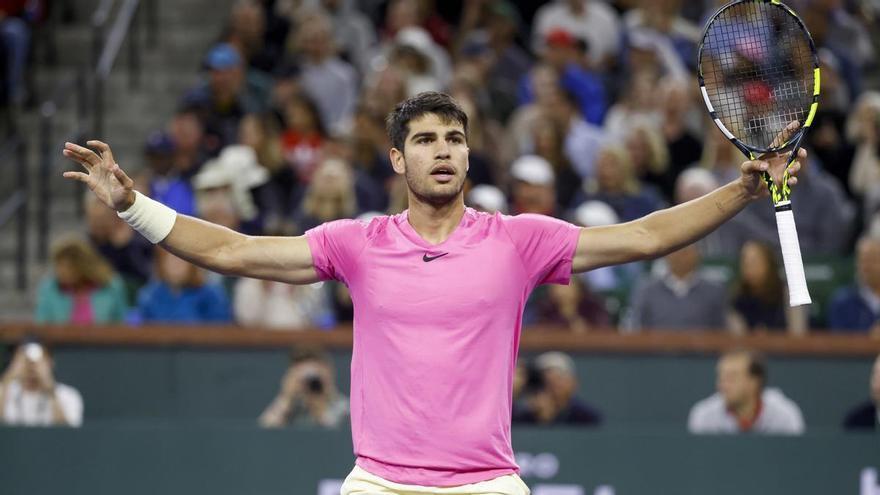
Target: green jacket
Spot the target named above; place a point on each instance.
(54, 306)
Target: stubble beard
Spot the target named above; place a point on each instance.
(435, 197)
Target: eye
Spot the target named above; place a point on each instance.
(456, 139)
(423, 140)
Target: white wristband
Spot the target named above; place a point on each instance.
(150, 218)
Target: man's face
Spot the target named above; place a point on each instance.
(875, 381)
(434, 159)
(868, 259)
(734, 382)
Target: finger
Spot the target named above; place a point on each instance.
(78, 152)
(104, 149)
(794, 168)
(121, 176)
(754, 166)
(785, 134)
(82, 161)
(792, 181)
(77, 176)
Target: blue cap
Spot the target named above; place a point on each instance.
(222, 56)
(159, 143)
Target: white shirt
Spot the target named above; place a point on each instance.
(779, 416)
(599, 26)
(27, 408)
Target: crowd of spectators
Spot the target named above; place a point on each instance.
(587, 110)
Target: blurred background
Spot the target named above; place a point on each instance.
(127, 370)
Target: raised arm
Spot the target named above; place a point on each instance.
(217, 248)
(667, 230)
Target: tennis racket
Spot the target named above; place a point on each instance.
(758, 73)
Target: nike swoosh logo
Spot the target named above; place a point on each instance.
(427, 258)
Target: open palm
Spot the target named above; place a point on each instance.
(104, 177)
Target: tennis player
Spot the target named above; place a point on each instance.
(438, 294)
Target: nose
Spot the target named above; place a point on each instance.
(441, 152)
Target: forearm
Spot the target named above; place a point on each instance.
(672, 228)
(58, 416)
(205, 244)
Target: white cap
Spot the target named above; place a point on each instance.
(533, 169)
(555, 360)
(595, 213)
(488, 198)
(237, 168)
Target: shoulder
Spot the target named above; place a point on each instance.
(710, 406)
(67, 393)
(776, 401)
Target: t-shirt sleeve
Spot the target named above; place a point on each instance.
(545, 244)
(335, 247)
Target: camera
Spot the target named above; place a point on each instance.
(314, 384)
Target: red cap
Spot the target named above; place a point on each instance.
(560, 37)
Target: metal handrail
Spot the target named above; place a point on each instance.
(16, 206)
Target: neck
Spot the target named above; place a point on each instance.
(746, 410)
(434, 223)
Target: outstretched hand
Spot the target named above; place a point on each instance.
(104, 177)
(773, 163)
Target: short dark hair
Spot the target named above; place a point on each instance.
(440, 104)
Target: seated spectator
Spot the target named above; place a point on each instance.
(487, 198)
(130, 254)
(615, 183)
(857, 308)
(595, 22)
(280, 306)
(679, 299)
(760, 298)
(308, 394)
(302, 137)
(549, 395)
(744, 403)
(866, 416)
(30, 395)
(229, 93)
(329, 81)
(573, 306)
(231, 179)
(533, 187)
(180, 294)
(863, 132)
(605, 278)
(330, 196)
(166, 184)
(83, 289)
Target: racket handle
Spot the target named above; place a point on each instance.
(791, 256)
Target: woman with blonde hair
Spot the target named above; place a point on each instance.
(329, 196)
(84, 289)
(616, 183)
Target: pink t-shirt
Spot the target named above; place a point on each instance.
(436, 334)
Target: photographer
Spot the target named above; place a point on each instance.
(30, 396)
(549, 394)
(308, 394)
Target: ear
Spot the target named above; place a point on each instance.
(397, 161)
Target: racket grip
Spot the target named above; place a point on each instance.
(791, 256)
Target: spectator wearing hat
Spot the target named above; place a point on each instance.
(595, 213)
(488, 198)
(225, 189)
(590, 20)
(550, 395)
(229, 93)
(165, 183)
(533, 189)
(563, 52)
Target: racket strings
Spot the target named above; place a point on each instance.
(758, 71)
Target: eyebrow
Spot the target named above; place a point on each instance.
(454, 132)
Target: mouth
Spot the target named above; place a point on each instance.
(443, 173)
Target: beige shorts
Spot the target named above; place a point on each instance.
(360, 482)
